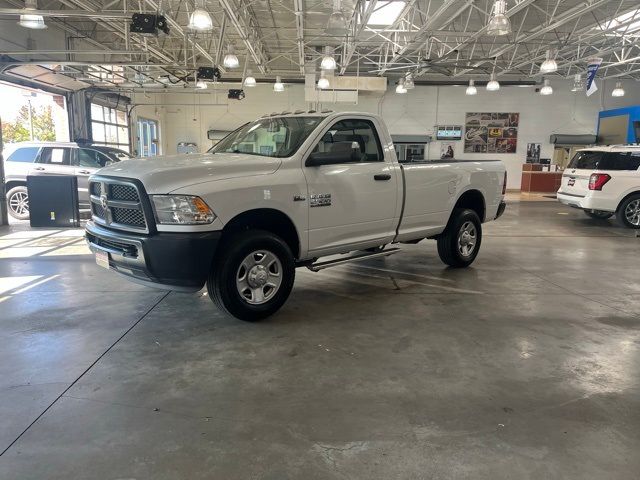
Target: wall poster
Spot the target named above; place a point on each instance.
(491, 132)
(533, 152)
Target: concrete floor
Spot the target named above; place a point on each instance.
(525, 366)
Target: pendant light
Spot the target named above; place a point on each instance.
(546, 88)
(200, 18)
(493, 85)
(471, 89)
(328, 61)
(337, 24)
(323, 81)
(499, 23)
(278, 86)
(29, 20)
(618, 91)
(408, 82)
(249, 80)
(230, 59)
(400, 88)
(578, 84)
(549, 65)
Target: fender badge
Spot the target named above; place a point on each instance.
(299, 198)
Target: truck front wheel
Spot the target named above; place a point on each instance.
(252, 275)
(459, 244)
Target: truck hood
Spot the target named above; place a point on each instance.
(167, 173)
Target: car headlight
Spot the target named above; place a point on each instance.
(181, 210)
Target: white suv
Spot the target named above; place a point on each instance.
(604, 181)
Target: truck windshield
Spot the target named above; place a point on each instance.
(269, 137)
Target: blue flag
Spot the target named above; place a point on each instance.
(592, 69)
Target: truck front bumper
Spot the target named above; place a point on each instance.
(171, 261)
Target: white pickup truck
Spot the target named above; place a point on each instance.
(279, 193)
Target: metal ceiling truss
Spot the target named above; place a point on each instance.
(430, 38)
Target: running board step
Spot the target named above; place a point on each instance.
(316, 267)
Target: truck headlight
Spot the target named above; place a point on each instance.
(181, 210)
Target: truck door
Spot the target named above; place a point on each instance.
(352, 194)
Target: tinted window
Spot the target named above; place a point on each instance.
(92, 158)
(343, 134)
(25, 154)
(56, 156)
(586, 160)
(620, 161)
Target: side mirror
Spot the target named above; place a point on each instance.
(346, 152)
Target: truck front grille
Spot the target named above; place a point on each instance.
(124, 192)
(128, 216)
(117, 204)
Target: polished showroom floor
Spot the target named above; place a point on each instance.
(526, 366)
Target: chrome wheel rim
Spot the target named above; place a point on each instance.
(632, 213)
(259, 277)
(19, 203)
(467, 239)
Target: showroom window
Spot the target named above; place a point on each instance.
(147, 137)
(109, 127)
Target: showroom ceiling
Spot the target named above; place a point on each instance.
(431, 39)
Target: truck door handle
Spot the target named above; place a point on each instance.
(382, 176)
(38, 168)
(84, 172)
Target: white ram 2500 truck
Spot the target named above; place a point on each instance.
(280, 193)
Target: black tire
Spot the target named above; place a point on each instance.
(598, 214)
(18, 202)
(226, 270)
(628, 213)
(448, 248)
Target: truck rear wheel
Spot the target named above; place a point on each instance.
(459, 244)
(629, 212)
(252, 275)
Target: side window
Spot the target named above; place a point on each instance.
(621, 161)
(56, 156)
(24, 155)
(342, 135)
(91, 158)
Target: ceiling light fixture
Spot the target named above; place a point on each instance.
(549, 65)
(323, 81)
(408, 82)
(499, 24)
(29, 20)
(278, 86)
(249, 80)
(337, 24)
(328, 61)
(471, 89)
(493, 85)
(546, 89)
(578, 84)
(618, 91)
(400, 88)
(230, 59)
(200, 18)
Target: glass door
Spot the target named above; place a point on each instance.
(147, 137)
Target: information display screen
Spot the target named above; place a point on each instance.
(449, 133)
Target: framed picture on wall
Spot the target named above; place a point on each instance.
(495, 132)
(533, 152)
